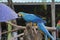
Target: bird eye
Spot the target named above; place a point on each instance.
(19, 15)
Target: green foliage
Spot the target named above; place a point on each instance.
(58, 14)
(44, 4)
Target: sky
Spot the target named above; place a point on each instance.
(28, 0)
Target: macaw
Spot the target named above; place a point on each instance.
(40, 22)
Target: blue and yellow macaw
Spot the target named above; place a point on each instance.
(34, 19)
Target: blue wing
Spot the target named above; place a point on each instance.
(33, 18)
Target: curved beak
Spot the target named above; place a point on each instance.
(20, 15)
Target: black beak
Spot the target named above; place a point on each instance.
(19, 16)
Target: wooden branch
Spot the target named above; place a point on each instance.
(23, 27)
(14, 25)
(30, 31)
(17, 36)
(19, 27)
(10, 31)
(49, 28)
(26, 35)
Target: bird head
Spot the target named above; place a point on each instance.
(21, 14)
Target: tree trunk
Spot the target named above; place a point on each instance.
(53, 17)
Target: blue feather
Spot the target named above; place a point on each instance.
(31, 17)
(42, 27)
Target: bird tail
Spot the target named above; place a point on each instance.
(42, 27)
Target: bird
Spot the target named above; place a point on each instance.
(39, 21)
(58, 24)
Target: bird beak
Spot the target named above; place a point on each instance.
(20, 15)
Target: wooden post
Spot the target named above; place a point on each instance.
(17, 36)
(0, 31)
(40, 34)
(35, 32)
(30, 31)
(26, 35)
(53, 17)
